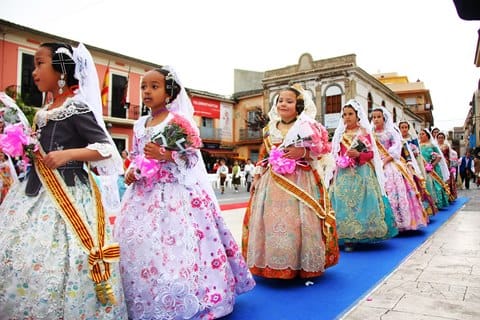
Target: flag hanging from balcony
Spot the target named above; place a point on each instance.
(105, 87)
(124, 101)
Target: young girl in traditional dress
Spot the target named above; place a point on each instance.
(402, 192)
(432, 159)
(289, 228)
(56, 258)
(358, 197)
(412, 156)
(179, 260)
(451, 164)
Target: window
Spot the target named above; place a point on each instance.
(207, 122)
(119, 84)
(254, 155)
(333, 99)
(120, 143)
(30, 94)
(394, 115)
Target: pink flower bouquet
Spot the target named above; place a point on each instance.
(345, 162)
(18, 141)
(280, 164)
(429, 167)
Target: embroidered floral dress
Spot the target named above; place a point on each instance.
(179, 260)
(44, 270)
(401, 189)
(437, 187)
(363, 213)
(452, 184)
(284, 235)
(419, 177)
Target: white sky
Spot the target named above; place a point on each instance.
(206, 40)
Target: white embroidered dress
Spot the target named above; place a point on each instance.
(44, 270)
(179, 260)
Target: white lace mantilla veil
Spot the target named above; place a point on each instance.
(443, 163)
(337, 137)
(88, 92)
(183, 106)
(388, 126)
(308, 114)
(413, 135)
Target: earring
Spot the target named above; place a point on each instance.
(167, 100)
(61, 83)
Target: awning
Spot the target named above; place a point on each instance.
(220, 152)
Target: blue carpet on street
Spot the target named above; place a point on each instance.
(341, 286)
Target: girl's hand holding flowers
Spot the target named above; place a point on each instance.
(153, 151)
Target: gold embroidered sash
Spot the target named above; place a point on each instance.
(99, 255)
(437, 178)
(403, 170)
(324, 212)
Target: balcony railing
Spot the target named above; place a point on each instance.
(210, 133)
(249, 135)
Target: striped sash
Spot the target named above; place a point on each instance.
(99, 255)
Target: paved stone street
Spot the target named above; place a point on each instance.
(440, 280)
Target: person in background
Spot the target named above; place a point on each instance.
(236, 175)
(222, 172)
(432, 158)
(447, 154)
(126, 159)
(249, 168)
(467, 169)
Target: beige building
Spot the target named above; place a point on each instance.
(332, 82)
(415, 95)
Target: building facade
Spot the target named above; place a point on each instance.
(415, 95)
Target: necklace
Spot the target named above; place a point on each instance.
(288, 122)
(155, 113)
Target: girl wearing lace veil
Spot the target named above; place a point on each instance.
(403, 195)
(179, 260)
(357, 190)
(56, 257)
(432, 157)
(289, 228)
(451, 160)
(412, 156)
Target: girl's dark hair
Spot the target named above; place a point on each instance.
(427, 133)
(406, 122)
(441, 133)
(172, 88)
(300, 104)
(68, 62)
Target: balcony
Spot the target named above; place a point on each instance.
(248, 135)
(210, 133)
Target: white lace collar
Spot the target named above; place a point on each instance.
(66, 110)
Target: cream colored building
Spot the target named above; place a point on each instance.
(415, 95)
(332, 82)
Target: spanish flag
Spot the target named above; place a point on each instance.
(105, 87)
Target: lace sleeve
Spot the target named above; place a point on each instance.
(105, 166)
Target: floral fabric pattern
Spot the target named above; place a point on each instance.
(179, 260)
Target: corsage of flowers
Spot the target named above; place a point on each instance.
(310, 135)
(361, 144)
(19, 141)
(429, 165)
(178, 136)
